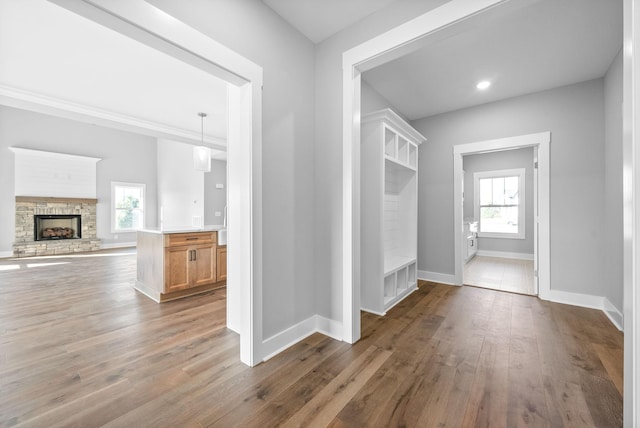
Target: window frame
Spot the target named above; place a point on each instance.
(143, 188)
(516, 172)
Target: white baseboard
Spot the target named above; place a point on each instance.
(576, 299)
(614, 314)
(331, 328)
(441, 278)
(505, 255)
(588, 301)
(294, 334)
(117, 245)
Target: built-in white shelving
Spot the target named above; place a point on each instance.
(389, 226)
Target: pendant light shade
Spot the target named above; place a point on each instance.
(202, 154)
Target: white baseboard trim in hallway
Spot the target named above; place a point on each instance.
(294, 334)
(588, 301)
(556, 296)
(614, 314)
(441, 278)
(505, 255)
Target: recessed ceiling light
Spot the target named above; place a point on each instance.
(483, 85)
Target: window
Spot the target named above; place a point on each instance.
(127, 206)
(499, 203)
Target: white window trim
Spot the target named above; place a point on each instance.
(143, 186)
(520, 173)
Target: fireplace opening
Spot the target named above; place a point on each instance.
(57, 226)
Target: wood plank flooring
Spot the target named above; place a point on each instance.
(80, 348)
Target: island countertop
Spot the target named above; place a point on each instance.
(175, 263)
(160, 231)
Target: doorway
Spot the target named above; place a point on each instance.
(141, 21)
(499, 201)
(541, 239)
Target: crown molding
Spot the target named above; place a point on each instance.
(392, 118)
(40, 103)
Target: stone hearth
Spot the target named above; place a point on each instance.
(27, 206)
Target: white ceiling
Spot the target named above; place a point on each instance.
(51, 52)
(54, 53)
(320, 19)
(544, 45)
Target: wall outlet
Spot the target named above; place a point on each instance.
(219, 186)
(218, 214)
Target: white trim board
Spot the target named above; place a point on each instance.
(294, 334)
(442, 278)
(505, 255)
(395, 43)
(39, 103)
(588, 301)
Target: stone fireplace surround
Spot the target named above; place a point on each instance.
(27, 206)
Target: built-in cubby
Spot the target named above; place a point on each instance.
(389, 225)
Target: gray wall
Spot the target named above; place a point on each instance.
(575, 116)
(215, 199)
(328, 147)
(613, 274)
(371, 100)
(125, 157)
(255, 31)
(508, 159)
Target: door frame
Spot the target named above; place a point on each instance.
(145, 23)
(540, 142)
(406, 38)
(409, 37)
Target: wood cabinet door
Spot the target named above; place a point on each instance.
(203, 267)
(176, 267)
(222, 263)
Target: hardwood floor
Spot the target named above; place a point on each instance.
(515, 276)
(79, 347)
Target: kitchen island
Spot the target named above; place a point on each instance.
(179, 263)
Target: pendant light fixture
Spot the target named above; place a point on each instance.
(202, 154)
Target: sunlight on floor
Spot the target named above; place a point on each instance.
(77, 256)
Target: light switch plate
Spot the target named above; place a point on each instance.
(219, 186)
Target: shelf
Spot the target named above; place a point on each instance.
(394, 163)
(394, 263)
(388, 300)
(390, 148)
(389, 181)
(390, 287)
(401, 280)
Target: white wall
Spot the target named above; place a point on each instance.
(215, 199)
(575, 117)
(125, 157)
(253, 30)
(180, 187)
(613, 274)
(508, 159)
(328, 148)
